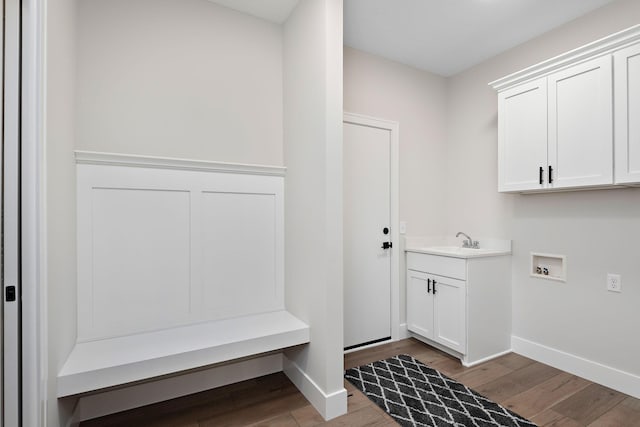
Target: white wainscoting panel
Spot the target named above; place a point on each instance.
(241, 235)
(140, 250)
(160, 247)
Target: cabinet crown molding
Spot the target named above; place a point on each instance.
(600, 47)
(134, 160)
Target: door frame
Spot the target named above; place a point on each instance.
(394, 208)
(11, 205)
(33, 202)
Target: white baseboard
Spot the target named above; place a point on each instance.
(616, 379)
(122, 399)
(328, 405)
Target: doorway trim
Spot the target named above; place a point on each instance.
(34, 291)
(394, 208)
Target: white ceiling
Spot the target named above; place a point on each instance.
(441, 36)
(449, 36)
(276, 11)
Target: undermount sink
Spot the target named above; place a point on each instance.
(459, 252)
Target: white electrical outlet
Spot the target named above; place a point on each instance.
(614, 283)
(403, 227)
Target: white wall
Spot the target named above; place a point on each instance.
(417, 100)
(598, 231)
(179, 78)
(60, 193)
(313, 203)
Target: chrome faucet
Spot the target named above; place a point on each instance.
(469, 242)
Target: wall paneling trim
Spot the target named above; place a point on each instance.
(170, 242)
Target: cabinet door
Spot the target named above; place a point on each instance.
(450, 313)
(581, 125)
(627, 114)
(522, 136)
(419, 304)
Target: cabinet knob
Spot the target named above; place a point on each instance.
(434, 286)
(428, 286)
(550, 175)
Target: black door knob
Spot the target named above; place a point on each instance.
(385, 230)
(386, 245)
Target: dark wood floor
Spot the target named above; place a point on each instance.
(545, 395)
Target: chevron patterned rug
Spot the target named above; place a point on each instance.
(414, 394)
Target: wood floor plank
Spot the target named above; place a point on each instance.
(632, 403)
(482, 374)
(589, 404)
(363, 417)
(384, 351)
(546, 418)
(450, 367)
(517, 381)
(267, 409)
(307, 416)
(429, 356)
(545, 395)
(357, 400)
(627, 414)
(564, 422)
(282, 421)
(175, 421)
(514, 361)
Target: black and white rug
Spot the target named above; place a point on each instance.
(417, 395)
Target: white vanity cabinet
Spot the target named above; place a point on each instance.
(459, 304)
(436, 304)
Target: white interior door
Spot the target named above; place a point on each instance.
(11, 374)
(367, 265)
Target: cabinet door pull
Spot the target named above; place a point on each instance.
(540, 172)
(550, 176)
(434, 286)
(428, 286)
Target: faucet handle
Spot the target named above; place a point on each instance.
(475, 245)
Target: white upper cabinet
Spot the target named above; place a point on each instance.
(627, 115)
(522, 136)
(556, 132)
(581, 125)
(556, 119)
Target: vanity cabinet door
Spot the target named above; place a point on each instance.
(627, 115)
(419, 304)
(450, 312)
(581, 125)
(522, 137)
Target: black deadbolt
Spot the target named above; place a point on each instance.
(385, 230)
(10, 293)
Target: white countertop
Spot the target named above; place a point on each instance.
(458, 252)
(452, 247)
